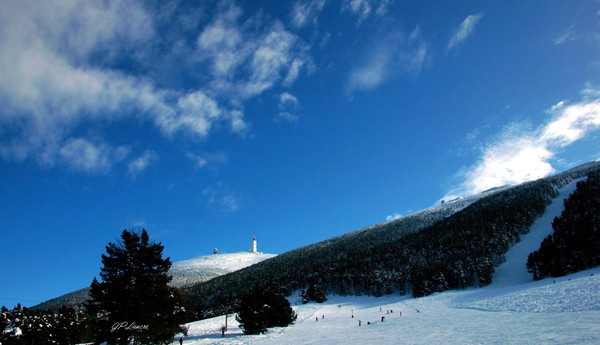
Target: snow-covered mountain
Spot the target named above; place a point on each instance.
(512, 310)
(458, 244)
(203, 268)
(186, 272)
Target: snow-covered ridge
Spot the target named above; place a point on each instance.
(203, 268)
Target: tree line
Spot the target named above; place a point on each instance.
(575, 242)
(66, 325)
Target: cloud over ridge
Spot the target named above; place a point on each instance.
(518, 156)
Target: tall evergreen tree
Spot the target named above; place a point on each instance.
(134, 302)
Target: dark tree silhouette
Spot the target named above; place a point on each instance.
(575, 242)
(260, 310)
(133, 302)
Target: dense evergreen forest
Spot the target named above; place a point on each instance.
(26, 326)
(450, 246)
(575, 244)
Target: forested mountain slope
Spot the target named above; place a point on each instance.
(574, 244)
(450, 246)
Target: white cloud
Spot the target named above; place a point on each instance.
(237, 123)
(84, 156)
(288, 104)
(138, 165)
(62, 69)
(305, 12)
(272, 57)
(566, 36)
(284, 116)
(222, 41)
(202, 160)
(221, 198)
(519, 156)
(199, 161)
(464, 30)
(293, 72)
(393, 217)
(287, 100)
(194, 113)
(363, 9)
(395, 53)
(251, 57)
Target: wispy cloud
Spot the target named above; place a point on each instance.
(198, 161)
(85, 156)
(393, 217)
(464, 30)
(396, 53)
(141, 163)
(288, 104)
(63, 69)
(566, 36)
(221, 198)
(520, 155)
(363, 9)
(248, 58)
(306, 12)
(202, 160)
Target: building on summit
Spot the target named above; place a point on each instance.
(253, 248)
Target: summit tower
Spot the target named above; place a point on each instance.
(254, 246)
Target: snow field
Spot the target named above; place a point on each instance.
(552, 311)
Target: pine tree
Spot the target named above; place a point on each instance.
(134, 301)
(315, 293)
(260, 310)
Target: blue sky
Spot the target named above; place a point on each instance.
(206, 122)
